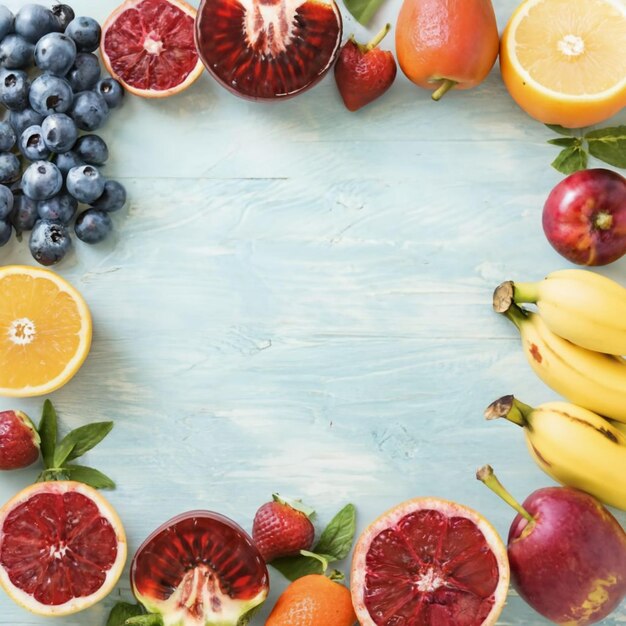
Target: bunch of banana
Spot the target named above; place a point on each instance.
(575, 341)
(574, 446)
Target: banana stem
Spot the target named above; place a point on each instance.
(443, 89)
(378, 38)
(487, 476)
(525, 292)
(510, 408)
(516, 314)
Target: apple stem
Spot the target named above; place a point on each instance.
(443, 89)
(378, 38)
(603, 221)
(487, 476)
(510, 408)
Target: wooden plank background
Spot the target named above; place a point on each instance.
(298, 300)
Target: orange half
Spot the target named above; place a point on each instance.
(564, 61)
(45, 331)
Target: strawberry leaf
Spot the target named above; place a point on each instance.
(48, 433)
(363, 10)
(298, 505)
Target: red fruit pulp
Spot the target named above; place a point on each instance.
(57, 546)
(206, 564)
(265, 49)
(19, 441)
(152, 45)
(455, 569)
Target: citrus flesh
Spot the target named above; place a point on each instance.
(45, 331)
(148, 45)
(563, 61)
(62, 548)
(429, 562)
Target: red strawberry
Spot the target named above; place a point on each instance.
(282, 528)
(364, 72)
(19, 441)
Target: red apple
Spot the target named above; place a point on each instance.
(19, 441)
(584, 217)
(567, 553)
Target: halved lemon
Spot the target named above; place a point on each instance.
(564, 61)
(45, 331)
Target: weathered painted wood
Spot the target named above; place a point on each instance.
(298, 299)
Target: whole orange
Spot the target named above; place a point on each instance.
(313, 600)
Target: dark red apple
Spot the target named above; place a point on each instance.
(584, 217)
(19, 440)
(567, 553)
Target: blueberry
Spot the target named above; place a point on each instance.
(59, 132)
(92, 149)
(90, 110)
(9, 167)
(64, 14)
(85, 31)
(14, 87)
(32, 145)
(85, 183)
(85, 72)
(55, 53)
(42, 180)
(113, 197)
(21, 120)
(60, 208)
(16, 52)
(50, 94)
(49, 242)
(7, 137)
(24, 214)
(6, 230)
(93, 226)
(111, 91)
(33, 21)
(7, 21)
(67, 160)
(6, 202)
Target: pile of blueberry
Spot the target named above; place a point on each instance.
(51, 85)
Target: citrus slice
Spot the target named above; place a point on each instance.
(563, 61)
(62, 548)
(45, 331)
(428, 562)
(148, 45)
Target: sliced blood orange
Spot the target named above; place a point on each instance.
(429, 562)
(266, 49)
(200, 569)
(148, 45)
(62, 548)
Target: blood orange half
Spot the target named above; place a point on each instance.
(62, 548)
(429, 562)
(148, 45)
(200, 569)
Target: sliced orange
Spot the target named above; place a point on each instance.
(45, 331)
(426, 562)
(564, 61)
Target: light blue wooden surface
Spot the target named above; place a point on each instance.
(298, 299)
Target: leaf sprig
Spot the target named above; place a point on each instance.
(57, 455)
(606, 144)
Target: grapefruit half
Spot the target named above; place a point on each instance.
(429, 562)
(62, 548)
(149, 47)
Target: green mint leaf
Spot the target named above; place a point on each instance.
(123, 611)
(570, 160)
(608, 145)
(338, 536)
(79, 441)
(564, 142)
(48, 430)
(363, 10)
(560, 130)
(152, 619)
(88, 475)
(294, 567)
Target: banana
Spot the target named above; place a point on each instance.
(592, 380)
(574, 446)
(583, 307)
